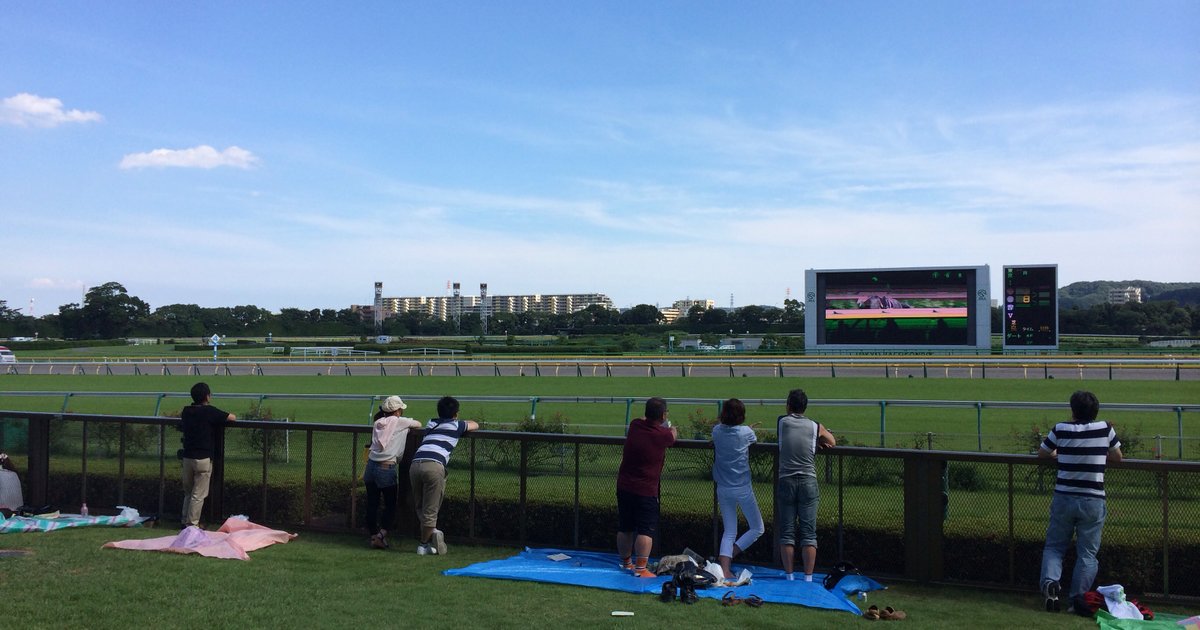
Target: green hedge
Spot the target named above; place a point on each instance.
(17, 346)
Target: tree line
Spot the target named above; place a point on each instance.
(108, 311)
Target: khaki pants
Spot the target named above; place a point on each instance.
(196, 475)
(428, 481)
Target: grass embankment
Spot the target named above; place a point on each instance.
(324, 580)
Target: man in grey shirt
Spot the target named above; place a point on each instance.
(796, 493)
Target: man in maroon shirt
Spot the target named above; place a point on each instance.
(645, 450)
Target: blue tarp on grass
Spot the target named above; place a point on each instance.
(600, 570)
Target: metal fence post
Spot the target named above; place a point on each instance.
(882, 423)
(979, 425)
(1166, 533)
(1179, 423)
(471, 494)
(576, 537)
(923, 519)
(38, 467)
(524, 473)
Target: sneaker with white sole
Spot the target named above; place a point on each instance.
(424, 550)
(438, 542)
(1051, 591)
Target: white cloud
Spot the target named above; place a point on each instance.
(31, 110)
(54, 283)
(202, 156)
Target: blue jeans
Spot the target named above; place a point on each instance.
(796, 497)
(1083, 517)
(381, 485)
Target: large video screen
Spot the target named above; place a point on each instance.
(944, 307)
(1030, 307)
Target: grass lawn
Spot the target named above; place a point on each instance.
(326, 580)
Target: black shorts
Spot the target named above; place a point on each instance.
(636, 513)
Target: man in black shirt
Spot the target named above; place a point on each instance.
(201, 424)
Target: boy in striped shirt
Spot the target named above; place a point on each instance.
(427, 475)
(1082, 448)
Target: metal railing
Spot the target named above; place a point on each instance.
(895, 418)
(926, 515)
(1024, 367)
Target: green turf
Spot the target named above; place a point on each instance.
(1004, 430)
(335, 581)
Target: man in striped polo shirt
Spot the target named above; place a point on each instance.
(427, 475)
(1082, 448)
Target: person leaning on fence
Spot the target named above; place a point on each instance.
(389, 433)
(796, 492)
(642, 458)
(201, 424)
(428, 471)
(1081, 448)
(731, 472)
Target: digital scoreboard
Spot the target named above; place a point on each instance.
(1030, 306)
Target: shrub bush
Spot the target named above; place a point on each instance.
(270, 442)
(966, 477)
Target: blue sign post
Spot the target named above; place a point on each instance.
(215, 341)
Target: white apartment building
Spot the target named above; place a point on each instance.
(686, 305)
(444, 307)
(1125, 295)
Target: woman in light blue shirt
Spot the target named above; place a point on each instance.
(731, 472)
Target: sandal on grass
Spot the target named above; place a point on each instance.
(753, 601)
(872, 613)
(891, 614)
(730, 599)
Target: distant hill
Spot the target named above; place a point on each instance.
(1089, 294)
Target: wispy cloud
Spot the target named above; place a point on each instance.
(54, 283)
(31, 110)
(202, 156)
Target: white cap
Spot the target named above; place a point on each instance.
(392, 403)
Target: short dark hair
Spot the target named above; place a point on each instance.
(733, 412)
(1084, 406)
(447, 407)
(200, 392)
(656, 408)
(797, 401)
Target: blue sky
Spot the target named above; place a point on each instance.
(290, 154)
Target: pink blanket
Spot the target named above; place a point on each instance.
(234, 540)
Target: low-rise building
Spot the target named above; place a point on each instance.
(1125, 295)
(448, 306)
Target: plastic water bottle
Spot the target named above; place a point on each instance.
(83, 510)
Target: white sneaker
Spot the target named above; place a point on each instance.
(424, 550)
(438, 542)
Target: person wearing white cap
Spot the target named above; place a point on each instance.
(388, 435)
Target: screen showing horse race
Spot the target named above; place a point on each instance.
(935, 307)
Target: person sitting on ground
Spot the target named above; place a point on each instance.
(428, 471)
(731, 472)
(642, 461)
(11, 497)
(388, 437)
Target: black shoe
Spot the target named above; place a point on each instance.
(668, 592)
(687, 594)
(1051, 590)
